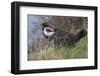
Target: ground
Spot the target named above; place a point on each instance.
(80, 50)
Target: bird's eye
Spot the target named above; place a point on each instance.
(48, 30)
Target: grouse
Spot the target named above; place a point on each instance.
(48, 31)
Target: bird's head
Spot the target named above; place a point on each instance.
(48, 31)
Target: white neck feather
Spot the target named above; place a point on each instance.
(48, 33)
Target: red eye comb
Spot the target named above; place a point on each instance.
(48, 30)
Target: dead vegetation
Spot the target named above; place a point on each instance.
(68, 42)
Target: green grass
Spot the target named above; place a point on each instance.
(48, 52)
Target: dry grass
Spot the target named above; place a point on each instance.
(47, 51)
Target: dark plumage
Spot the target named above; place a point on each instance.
(62, 38)
(75, 38)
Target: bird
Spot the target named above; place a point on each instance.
(48, 31)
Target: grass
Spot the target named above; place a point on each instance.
(48, 52)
